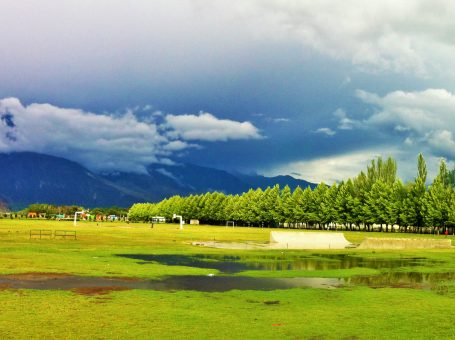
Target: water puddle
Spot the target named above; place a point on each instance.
(102, 285)
(99, 285)
(235, 264)
(393, 274)
(401, 279)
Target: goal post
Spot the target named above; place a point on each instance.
(230, 224)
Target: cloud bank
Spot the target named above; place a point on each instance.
(328, 169)
(334, 168)
(424, 119)
(109, 142)
(400, 36)
(403, 123)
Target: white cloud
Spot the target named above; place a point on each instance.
(98, 141)
(442, 142)
(206, 127)
(178, 145)
(335, 168)
(420, 111)
(344, 122)
(347, 80)
(167, 174)
(325, 131)
(400, 128)
(400, 36)
(107, 142)
(328, 169)
(408, 141)
(281, 120)
(427, 118)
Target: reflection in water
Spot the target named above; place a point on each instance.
(225, 283)
(401, 279)
(236, 264)
(171, 283)
(392, 274)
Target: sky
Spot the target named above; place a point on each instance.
(314, 89)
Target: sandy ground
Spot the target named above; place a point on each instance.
(232, 245)
(288, 240)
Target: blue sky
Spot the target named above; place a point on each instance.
(315, 89)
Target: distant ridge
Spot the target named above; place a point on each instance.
(259, 181)
(27, 177)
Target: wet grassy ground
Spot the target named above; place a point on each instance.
(350, 312)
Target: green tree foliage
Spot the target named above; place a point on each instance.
(379, 207)
(374, 197)
(413, 204)
(50, 209)
(286, 206)
(437, 200)
(346, 204)
(421, 168)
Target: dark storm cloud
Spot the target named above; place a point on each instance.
(289, 68)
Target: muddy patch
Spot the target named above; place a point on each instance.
(79, 284)
(98, 290)
(36, 276)
(4, 286)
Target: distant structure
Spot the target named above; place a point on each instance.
(75, 216)
(194, 222)
(181, 220)
(112, 218)
(308, 240)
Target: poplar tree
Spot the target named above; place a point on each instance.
(421, 168)
(398, 197)
(345, 204)
(318, 199)
(328, 209)
(436, 201)
(379, 205)
(360, 194)
(309, 206)
(298, 205)
(413, 214)
(286, 208)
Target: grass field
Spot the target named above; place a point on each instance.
(354, 312)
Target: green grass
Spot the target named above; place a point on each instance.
(297, 313)
(349, 313)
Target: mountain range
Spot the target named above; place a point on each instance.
(27, 177)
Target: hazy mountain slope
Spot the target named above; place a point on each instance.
(256, 181)
(28, 177)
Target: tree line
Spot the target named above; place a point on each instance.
(375, 198)
(51, 209)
